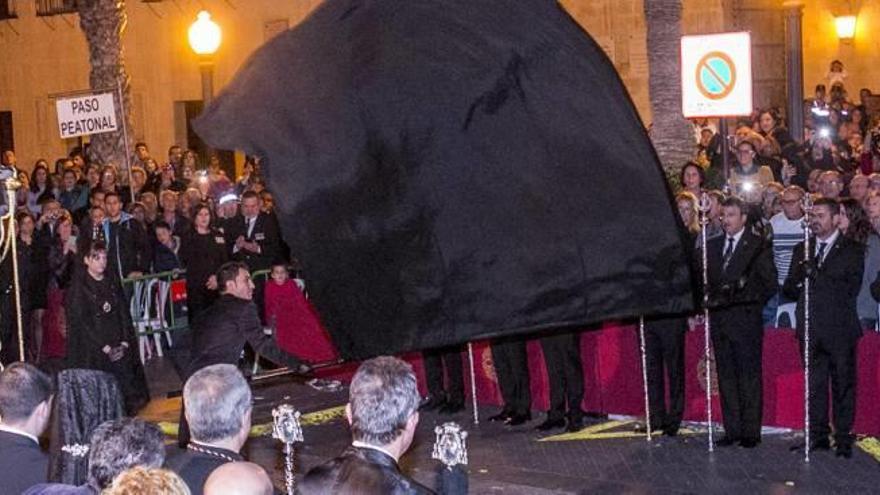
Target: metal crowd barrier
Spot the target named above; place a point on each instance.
(154, 313)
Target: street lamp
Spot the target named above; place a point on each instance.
(204, 39)
(846, 27)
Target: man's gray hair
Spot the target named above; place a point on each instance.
(216, 399)
(383, 395)
(120, 444)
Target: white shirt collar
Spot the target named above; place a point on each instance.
(829, 242)
(16, 431)
(362, 445)
(736, 237)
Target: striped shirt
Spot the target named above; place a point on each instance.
(786, 235)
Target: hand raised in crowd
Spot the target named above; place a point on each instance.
(211, 284)
(240, 242)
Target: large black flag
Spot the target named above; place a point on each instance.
(455, 169)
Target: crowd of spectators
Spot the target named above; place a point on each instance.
(839, 158)
(173, 216)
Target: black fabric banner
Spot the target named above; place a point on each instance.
(448, 170)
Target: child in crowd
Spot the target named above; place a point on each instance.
(836, 74)
(297, 327)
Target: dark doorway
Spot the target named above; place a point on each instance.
(7, 141)
(192, 109)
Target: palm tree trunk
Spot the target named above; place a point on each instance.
(670, 131)
(103, 22)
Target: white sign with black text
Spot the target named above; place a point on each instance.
(84, 115)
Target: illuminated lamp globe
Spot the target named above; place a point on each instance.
(204, 35)
(845, 26)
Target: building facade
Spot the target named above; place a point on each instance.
(41, 55)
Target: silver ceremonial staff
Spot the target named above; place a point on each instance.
(704, 207)
(644, 353)
(808, 209)
(470, 350)
(9, 247)
(287, 429)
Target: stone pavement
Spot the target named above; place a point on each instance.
(514, 461)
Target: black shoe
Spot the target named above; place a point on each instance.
(503, 416)
(643, 429)
(575, 423)
(749, 443)
(843, 450)
(432, 404)
(452, 408)
(726, 442)
(518, 419)
(820, 444)
(551, 424)
(671, 431)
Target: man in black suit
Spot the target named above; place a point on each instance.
(447, 399)
(664, 366)
(383, 413)
(742, 277)
(254, 236)
(255, 240)
(221, 331)
(562, 357)
(218, 409)
(511, 361)
(25, 407)
(835, 271)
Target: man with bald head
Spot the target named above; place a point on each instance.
(238, 478)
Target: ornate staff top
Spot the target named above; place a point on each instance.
(286, 427)
(450, 447)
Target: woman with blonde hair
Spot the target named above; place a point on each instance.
(141, 481)
(688, 206)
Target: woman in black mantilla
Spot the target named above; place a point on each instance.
(100, 333)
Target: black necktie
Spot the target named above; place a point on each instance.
(728, 253)
(821, 253)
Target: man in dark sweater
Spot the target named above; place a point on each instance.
(25, 407)
(217, 401)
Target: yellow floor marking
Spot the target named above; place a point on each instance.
(170, 428)
(871, 446)
(600, 432)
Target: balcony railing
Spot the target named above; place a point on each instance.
(7, 10)
(55, 7)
